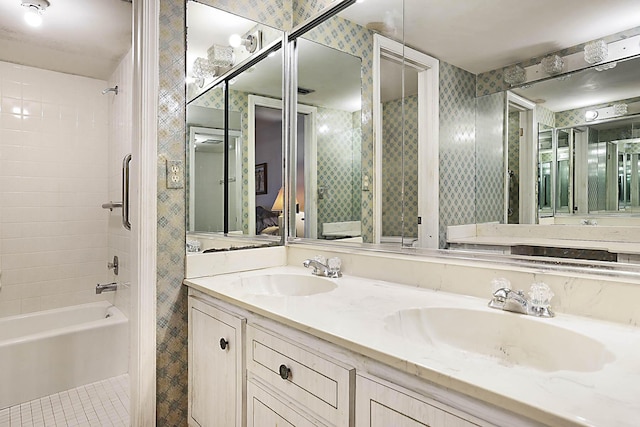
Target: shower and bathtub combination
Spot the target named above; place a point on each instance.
(54, 350)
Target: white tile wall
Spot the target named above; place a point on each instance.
(120, 145)
(53, 180)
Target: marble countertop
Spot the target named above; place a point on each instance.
(355, 315)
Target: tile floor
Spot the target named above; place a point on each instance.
(103, 403)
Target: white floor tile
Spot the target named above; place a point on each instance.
(104, 403)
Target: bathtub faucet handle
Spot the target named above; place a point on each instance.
(106, 287)
(113, 265)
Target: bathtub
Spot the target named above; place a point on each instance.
(54, 350)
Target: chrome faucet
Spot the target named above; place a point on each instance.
(106, 287)
(331, 269)
(517, 302)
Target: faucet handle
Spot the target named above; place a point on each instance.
(500, 283)
(334, 265)
(540, 297)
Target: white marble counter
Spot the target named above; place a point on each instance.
(353, 316)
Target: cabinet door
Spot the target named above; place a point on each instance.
(264, 409)
(215, 367)
(378, 405)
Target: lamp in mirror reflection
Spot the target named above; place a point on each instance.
(615, 110)
(252, 42)
(220, 56)
(605, 67)
(514, 75)
(203, 69)
(595, 51)
(552, 64)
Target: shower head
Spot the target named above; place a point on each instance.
(111, 89)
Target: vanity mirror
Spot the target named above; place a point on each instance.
(479, 176)
(234, 130)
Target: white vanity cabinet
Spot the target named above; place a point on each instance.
(382, 404)
(216, 366)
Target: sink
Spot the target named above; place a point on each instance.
(509, 338)
(291, 285)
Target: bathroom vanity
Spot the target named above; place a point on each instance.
(278, 344)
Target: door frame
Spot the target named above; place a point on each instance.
(310, 162)
(428, 137)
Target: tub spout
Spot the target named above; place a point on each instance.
(106, 287)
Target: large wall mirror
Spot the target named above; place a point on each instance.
(234, 130)
(510, 143)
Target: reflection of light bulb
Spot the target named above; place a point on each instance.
(591, 115)
(323, 129)
(33, 17)
(235, 40)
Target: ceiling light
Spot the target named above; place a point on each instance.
(35, 9)
(595, 51)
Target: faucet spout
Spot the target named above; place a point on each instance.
(106, 287)
(319, 269)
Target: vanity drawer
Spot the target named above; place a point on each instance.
(324, 387)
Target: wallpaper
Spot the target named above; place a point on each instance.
(393, 147)
(457, 148)
(514, 166)
(490, 158)
(337, 166)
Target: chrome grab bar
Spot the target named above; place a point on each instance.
(126, 162)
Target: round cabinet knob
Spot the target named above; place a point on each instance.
(223, 343)
(284, 372)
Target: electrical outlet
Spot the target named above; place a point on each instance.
(175, 174)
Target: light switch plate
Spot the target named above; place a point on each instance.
(175, 174)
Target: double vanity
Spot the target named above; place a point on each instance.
(281, 344)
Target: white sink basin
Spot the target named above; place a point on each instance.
(290, 285)
(510, 338)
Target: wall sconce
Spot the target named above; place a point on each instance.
(552, 64)
(590, 115)
(596, 51)
(605, 67)
(35, 9)
(220, 56)
(203, 69)
(514, 75)
(252, 42)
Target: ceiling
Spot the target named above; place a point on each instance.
(89, 38)
(82, 37)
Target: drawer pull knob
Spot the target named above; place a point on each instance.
(223, 343)
(284, 372)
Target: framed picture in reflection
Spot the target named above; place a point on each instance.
(261, 178)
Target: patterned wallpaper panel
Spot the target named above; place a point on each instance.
(171, 320)
(545, 116)
(457, 148)
(392, 173)
(274, 13)
(596, 186)
(337, 166)
(490, 160)
(514, 166)
(303, 9)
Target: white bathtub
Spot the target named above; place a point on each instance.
(50, 351)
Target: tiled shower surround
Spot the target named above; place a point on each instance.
(53, 180)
